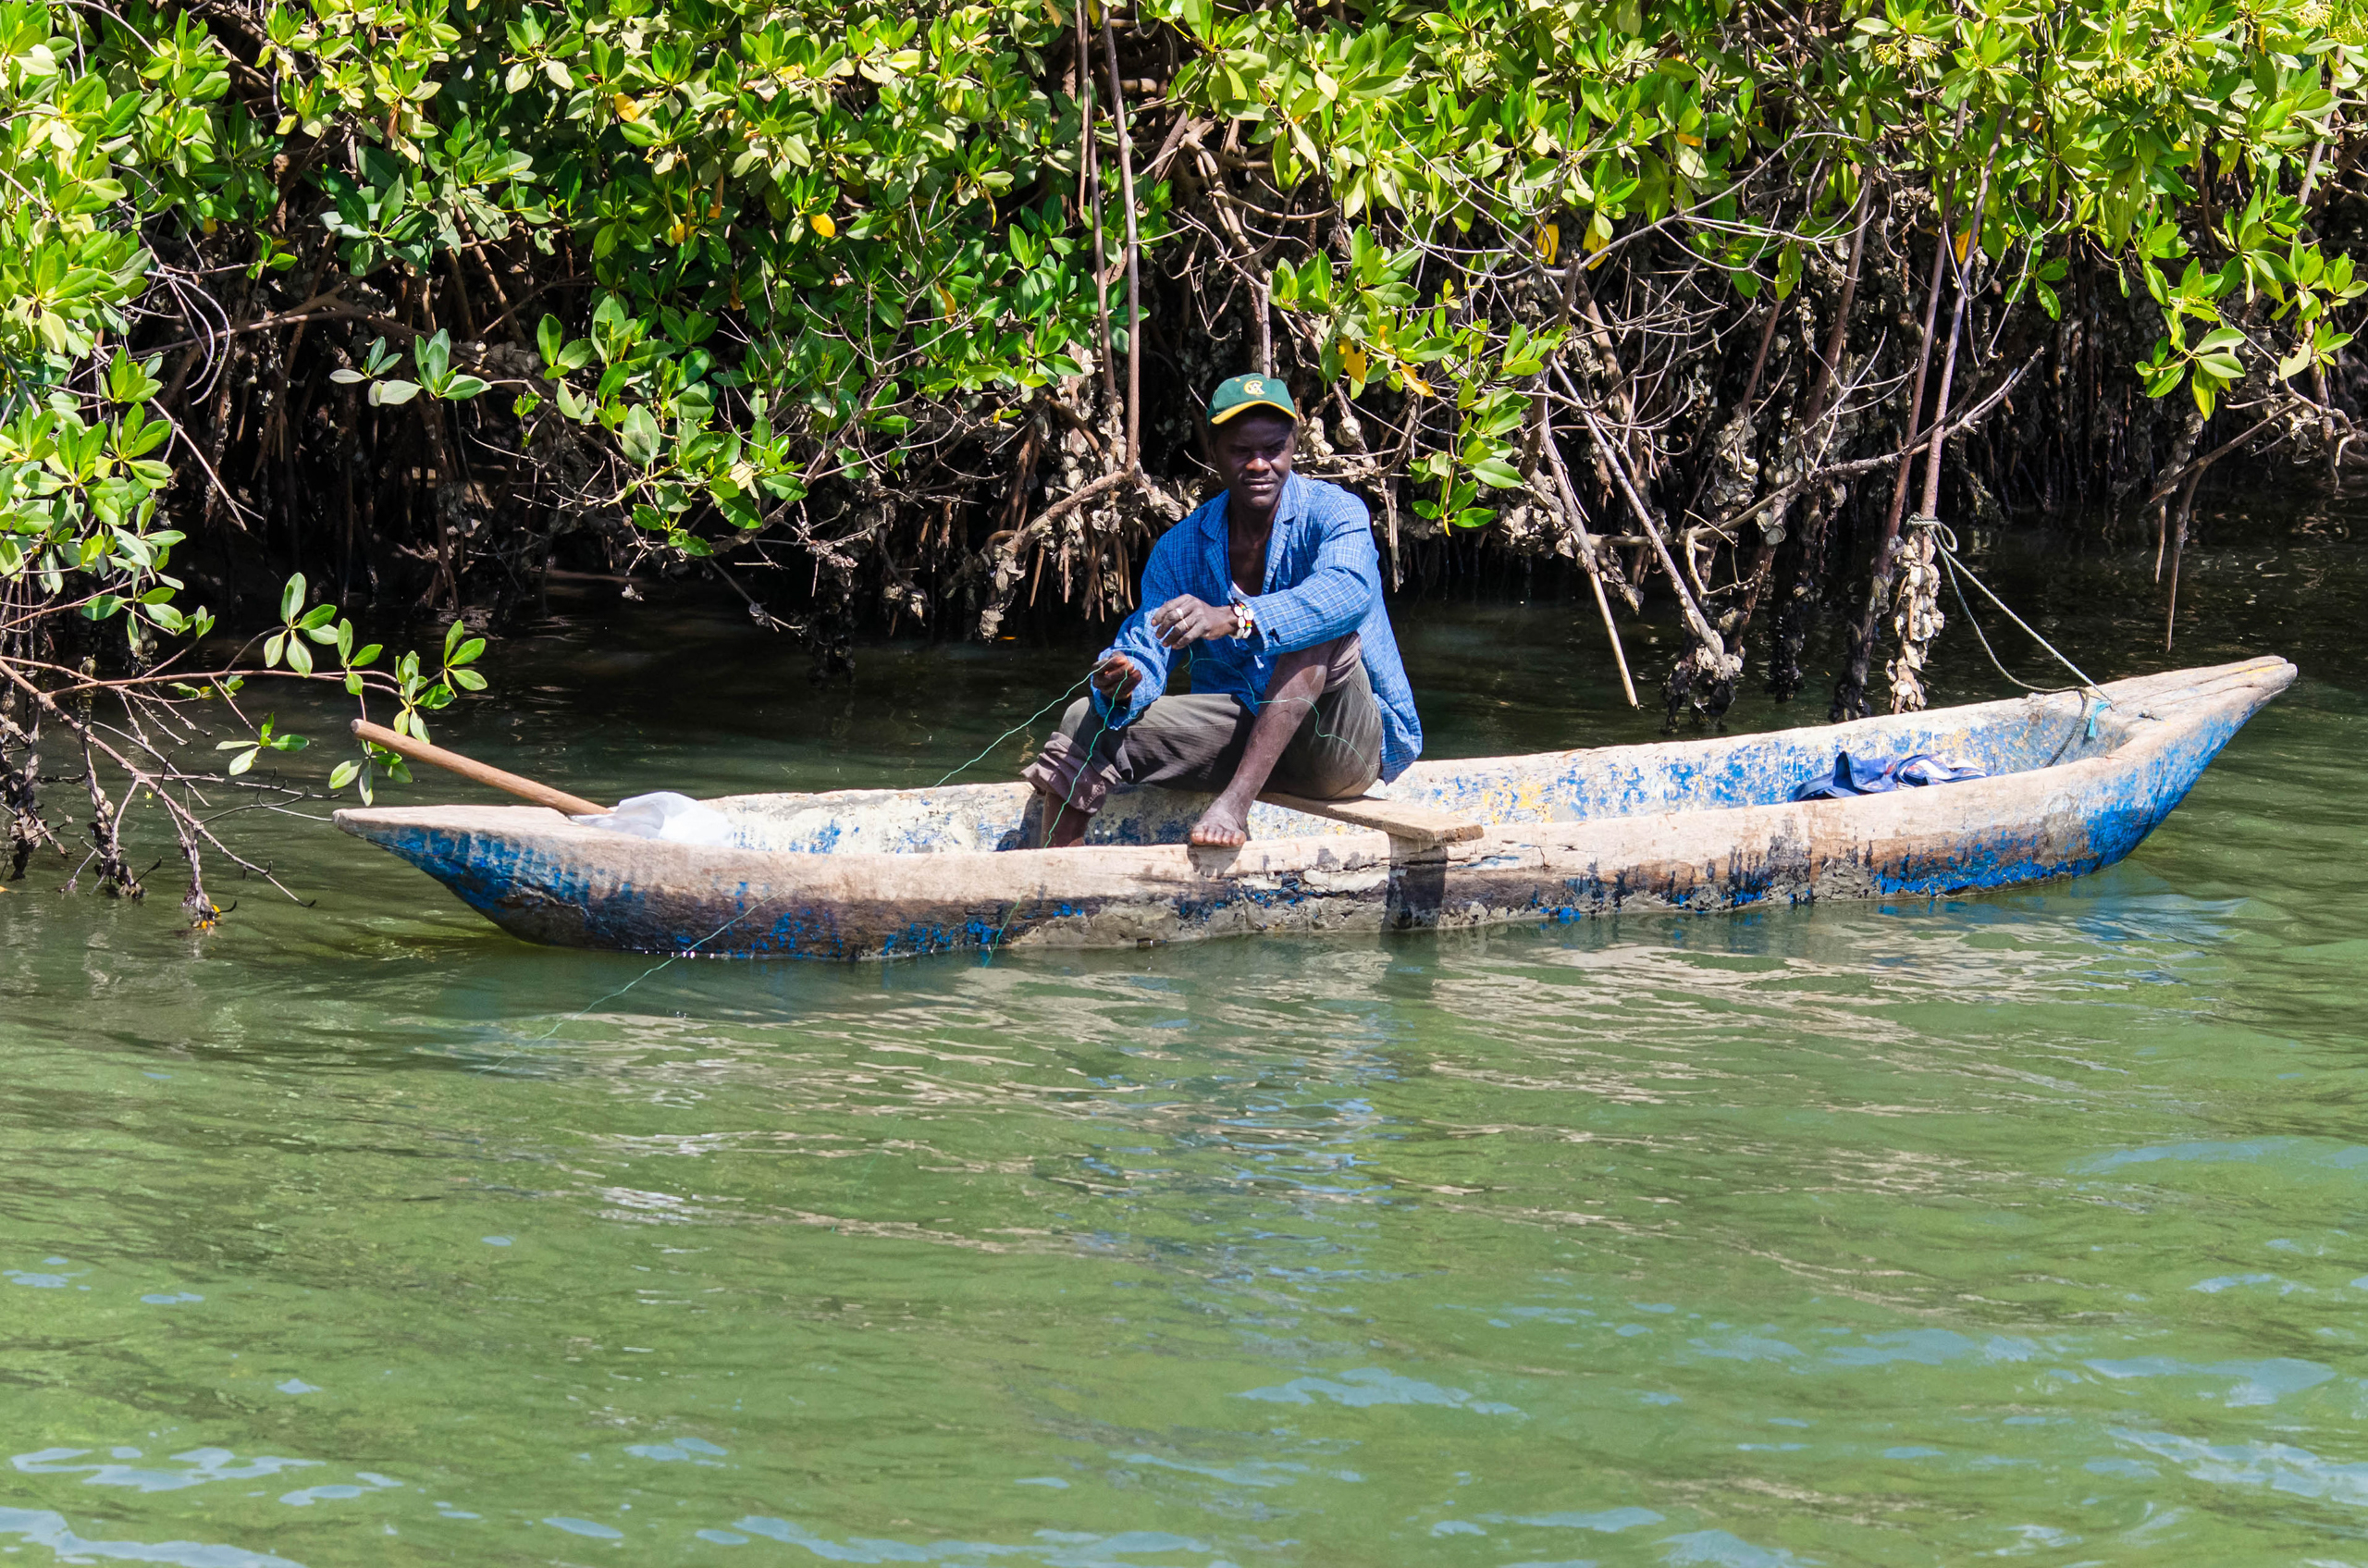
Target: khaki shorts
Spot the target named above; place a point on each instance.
(1195, 743)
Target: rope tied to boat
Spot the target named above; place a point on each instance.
(1945, 543)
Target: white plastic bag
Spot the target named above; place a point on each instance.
(676, 818)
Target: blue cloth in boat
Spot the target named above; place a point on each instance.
(1323, 582)
(1850, 778)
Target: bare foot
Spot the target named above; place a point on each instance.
(1223, 826)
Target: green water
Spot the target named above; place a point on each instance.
(2019, 1226)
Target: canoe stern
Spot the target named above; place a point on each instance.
(507, 876)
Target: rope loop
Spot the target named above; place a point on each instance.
(1959, 575)
(1942, 533)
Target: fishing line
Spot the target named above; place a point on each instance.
(987, 959)
(1259, 705)
(1077, 780)
(1102, 728)
(1085, 761)
(1314, 712)
(1015, 730)
(691, 951)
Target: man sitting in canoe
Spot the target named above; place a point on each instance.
(1274, 591)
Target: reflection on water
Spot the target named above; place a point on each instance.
(2020, 1225)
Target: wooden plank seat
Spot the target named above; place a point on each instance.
(1422, 827)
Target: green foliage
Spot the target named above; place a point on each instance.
(113, 123)
(838, 184)
(879, 201)
(813, 235)
(2113, 121)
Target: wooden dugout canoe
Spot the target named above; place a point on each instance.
(1696, 825)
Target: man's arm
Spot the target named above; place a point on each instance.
(1332, 599)
(1135, 641)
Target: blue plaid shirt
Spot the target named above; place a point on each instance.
(1322, 581)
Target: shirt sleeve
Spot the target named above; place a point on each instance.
(1162, 582)
(1332, 599)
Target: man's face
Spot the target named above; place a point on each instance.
(1253, 456)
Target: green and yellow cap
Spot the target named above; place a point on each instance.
(1244, 393)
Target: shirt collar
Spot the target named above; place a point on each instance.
(1215, 539)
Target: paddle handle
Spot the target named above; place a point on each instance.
(469, 767)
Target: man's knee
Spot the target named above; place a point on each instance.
(1299, 661)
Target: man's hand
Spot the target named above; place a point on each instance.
(1188, 620)
(1116, 677)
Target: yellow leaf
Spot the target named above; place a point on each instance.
(1353, 360)
(626, 108)
(823, 225)
(210, 226)
(1414, 383)
(1685, 141)
(1550, 239)
(674, 235)
(1963, 239)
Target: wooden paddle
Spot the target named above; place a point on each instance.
(469, 767)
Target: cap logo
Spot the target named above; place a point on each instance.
(1255, 388)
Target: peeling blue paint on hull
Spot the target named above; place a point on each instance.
(1698, 825)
